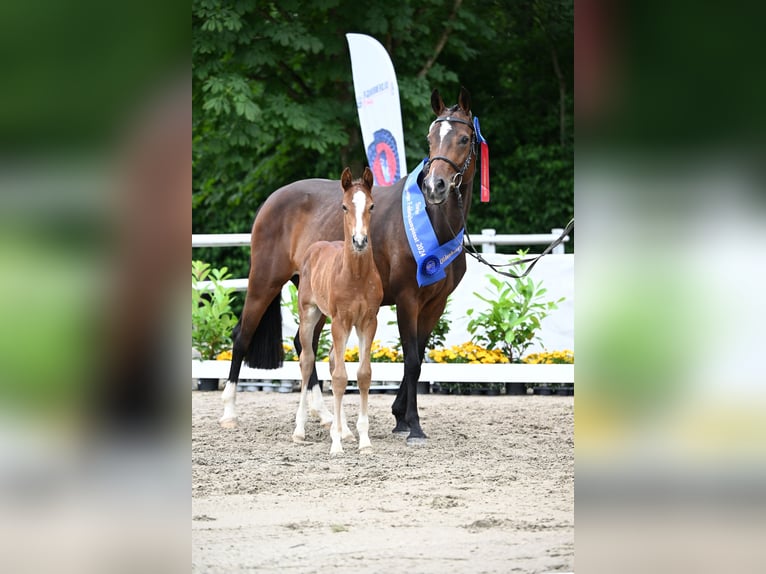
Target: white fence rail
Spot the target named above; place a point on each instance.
(488, 241)
(386, 372)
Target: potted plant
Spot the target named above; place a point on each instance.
(512, 318)
(212, 317)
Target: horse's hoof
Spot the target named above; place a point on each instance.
(326, 423)
(401, 429)
(228, 423)
(417, 441)
(336, 451)
(300, 438)
(365, 447)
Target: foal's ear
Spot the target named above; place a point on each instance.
(464, 101)
(345, 178)
(367, 178)
(437, 104)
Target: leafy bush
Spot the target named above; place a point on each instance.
(513, 318)
(212, 317)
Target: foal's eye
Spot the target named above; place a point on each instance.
(345, 208)
(372, 206)
(464, 140)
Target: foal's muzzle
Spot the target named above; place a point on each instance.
(359, 242)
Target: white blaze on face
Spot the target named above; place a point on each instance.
(444, 128)
(359, 202)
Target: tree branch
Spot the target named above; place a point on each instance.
(442, 41)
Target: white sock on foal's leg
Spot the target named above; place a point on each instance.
(229, 398)
(319, 408)
(346, 433)
(363, 428)
(299, 434)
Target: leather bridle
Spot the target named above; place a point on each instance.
(457, 178)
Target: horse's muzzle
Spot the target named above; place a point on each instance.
(436, 190)
(359, 243)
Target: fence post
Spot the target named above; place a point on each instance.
(559, 249)
(487, 247)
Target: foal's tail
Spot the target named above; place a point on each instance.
(265, 350)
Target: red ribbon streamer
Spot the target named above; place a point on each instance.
(484, 172)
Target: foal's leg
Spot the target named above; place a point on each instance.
(317, 406)
(309, 316)
(364, 377)
(339, 382)
(322, 412)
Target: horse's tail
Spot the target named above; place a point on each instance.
(265, 350)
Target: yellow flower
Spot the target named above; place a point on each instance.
(223, 356)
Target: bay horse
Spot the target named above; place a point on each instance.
(339, 279)
(303, 212)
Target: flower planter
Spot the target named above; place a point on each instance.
(515, 388)
(424, 387)
(516, 376)
(207, 384)
(543, 391)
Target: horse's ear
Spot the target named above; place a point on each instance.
(437, 104)
(367, 177)
(345, 178)
(464, 100)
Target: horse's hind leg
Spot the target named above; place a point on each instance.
(309, 317)
(317, 406)
(261, 307)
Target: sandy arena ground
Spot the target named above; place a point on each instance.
(492, 491)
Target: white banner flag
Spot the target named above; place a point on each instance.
(377, 101)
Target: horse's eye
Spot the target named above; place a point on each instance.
(345, 208)
(464, 140)
(372, 206)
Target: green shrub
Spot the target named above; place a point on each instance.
(516, 308)
(212, 317)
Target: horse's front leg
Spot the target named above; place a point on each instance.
(339, 429)
(364, 378)
(405, 407)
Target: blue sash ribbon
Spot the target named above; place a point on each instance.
(430, 257)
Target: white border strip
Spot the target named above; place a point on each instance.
(441, 372)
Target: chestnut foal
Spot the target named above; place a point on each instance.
(339, 279)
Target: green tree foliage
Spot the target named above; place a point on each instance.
(274, 100)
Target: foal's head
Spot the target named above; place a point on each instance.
(452, 148)
(357, 205)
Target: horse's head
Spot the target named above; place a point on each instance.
(357, 207)
(452, 148)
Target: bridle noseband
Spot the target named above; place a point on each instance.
(457, 179)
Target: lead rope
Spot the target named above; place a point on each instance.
(473, 252)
